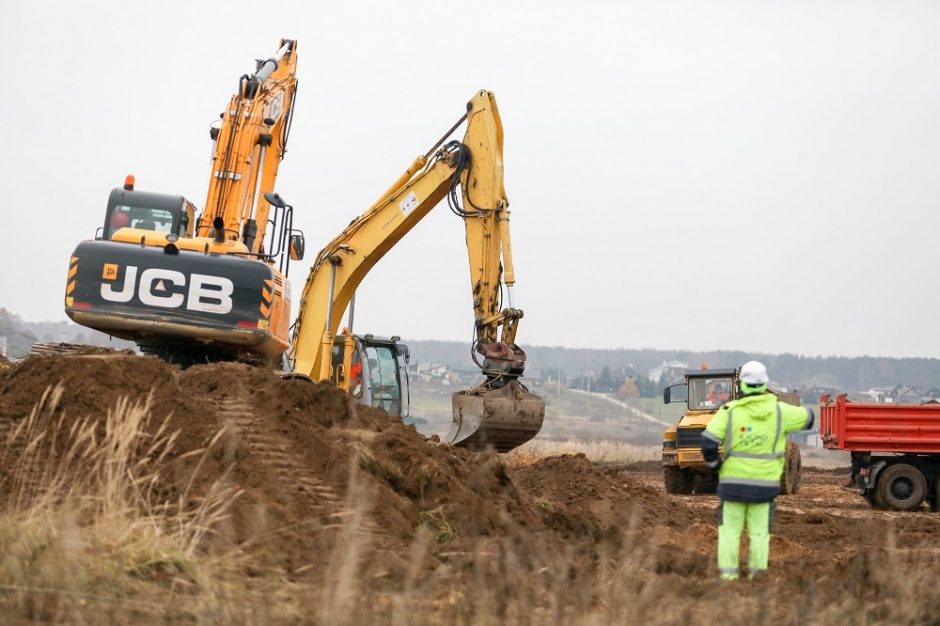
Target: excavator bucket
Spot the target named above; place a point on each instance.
(503, 418)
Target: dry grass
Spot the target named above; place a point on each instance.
(602, 451)
(84, 537)
(83, 524)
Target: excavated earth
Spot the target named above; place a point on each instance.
(324, 483)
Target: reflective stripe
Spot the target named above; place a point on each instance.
(727, 570)
(729, 433)
(710, 436)
(779, 426)
(752, 482)
(758, 455)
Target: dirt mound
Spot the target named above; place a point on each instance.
(93, 384)
(307, 459)
(592, 500)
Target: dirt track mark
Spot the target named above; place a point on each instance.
(274, 450)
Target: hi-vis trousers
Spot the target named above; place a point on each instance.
(732, 519)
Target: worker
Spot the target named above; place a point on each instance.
(753, 430)
(355, 379)
(119, 219)
(718, 395)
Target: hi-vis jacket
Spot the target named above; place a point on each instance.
(753, 432)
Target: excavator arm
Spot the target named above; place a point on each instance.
(248, 146)
(469, 174)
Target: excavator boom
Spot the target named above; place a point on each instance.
(469, 174)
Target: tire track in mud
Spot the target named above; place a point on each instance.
(274, 451)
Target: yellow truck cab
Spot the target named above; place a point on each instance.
(704, 391)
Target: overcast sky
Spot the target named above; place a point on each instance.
(760, 176)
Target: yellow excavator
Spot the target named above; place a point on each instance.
(214, 288)
(469, 174)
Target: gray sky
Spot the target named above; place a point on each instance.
(748, 175)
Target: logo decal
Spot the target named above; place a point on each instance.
(209, 294)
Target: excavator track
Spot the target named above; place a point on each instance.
(274, 451)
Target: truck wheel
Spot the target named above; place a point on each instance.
(902, 487)
(874, 500)
(792, 470)
(677, 480)
(705, 483)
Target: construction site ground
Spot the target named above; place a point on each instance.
(339, 513)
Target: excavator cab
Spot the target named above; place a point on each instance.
(374, 370)
(144, 210)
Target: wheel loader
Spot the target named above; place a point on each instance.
(704, 391)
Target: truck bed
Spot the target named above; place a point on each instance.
(865, 427)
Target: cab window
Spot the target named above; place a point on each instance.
(709, 393)
(383, 378)
(159, 220)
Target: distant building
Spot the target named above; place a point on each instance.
(879, 394)
(908, 394)
(933, 393)
(429, 372)
(812, 394)
(673, 370)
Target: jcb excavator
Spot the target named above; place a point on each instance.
(215, 288)
(500, 412)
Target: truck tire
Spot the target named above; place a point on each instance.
(901, 487)
(705, 482)
(792, 470)
(677, 480)
(874, 500)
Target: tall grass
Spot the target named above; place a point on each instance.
(83, 522)
(603, 451)
(86, 536)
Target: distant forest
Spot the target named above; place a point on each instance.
(843, 373)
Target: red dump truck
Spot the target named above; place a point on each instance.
(895, 449)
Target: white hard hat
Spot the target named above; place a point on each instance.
(754, 373)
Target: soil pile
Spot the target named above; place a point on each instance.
(309, 462)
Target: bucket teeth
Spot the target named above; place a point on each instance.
(503, 418)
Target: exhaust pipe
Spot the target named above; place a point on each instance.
(219, 225)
